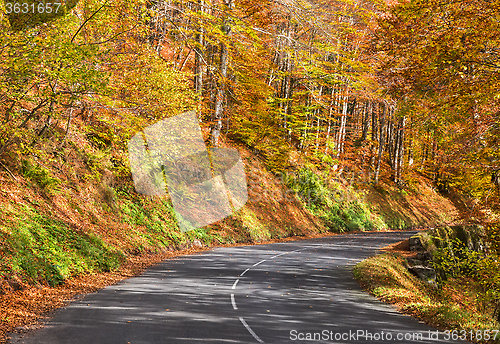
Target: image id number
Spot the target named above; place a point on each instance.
(24, 7)
(472, 335)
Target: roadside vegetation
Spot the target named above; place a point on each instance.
(465, 299)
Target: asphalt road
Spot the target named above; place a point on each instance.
(277, 293)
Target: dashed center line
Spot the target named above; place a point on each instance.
(262, 261)
(233, 302)
(250, 330)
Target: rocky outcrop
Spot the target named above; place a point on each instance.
(424, 243)
(421, 265)
(416, 244)
(425, 273)
(472, 236)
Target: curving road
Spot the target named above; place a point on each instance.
(294, 292)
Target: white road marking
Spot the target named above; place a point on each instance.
(233, 301)
(262, 261)
(281, 254)
(250, 330)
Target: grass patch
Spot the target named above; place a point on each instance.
(41, 249)
(156, 217)
(154, 223)
(205, 235)
(251, 224)
(451, 307)
(340, 208)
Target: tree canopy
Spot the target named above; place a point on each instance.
(358, 86)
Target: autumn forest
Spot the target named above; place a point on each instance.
(351, 85)
(377, 92)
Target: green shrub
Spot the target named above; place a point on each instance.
(456, 259)
(40, 176)
(387, 277)
(308, 186)
(328, 202)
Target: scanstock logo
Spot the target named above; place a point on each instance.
(205, 184)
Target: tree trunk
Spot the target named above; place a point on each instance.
(374, 134)
(330, 114)
(220, 94)
(316, 113)
(400, 149)
(381, 142)
(366, 122)
(343, 121)
(198, 62)
(374, 123)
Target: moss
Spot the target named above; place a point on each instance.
(472, 236)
